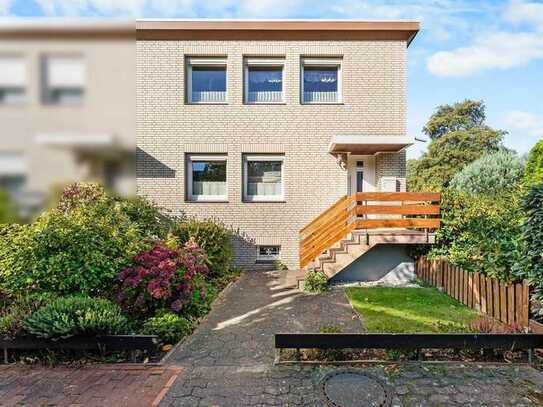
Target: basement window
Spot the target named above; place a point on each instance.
(268, 253)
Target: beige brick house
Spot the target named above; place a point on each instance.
(266, 124)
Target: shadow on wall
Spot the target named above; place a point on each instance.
(148, 166)
(245, 250)
(387, 262)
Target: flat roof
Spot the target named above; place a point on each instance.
(66, 28)
(153, 29)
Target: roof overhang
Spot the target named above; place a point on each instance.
(276, 30)
(66, 28)
(368, 145)
(82, 143)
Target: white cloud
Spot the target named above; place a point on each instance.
(498, 49)
(525, 130)
(5, 6)
(531, 123)
(82, 7)
(519, 11)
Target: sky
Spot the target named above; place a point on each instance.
(483, 50)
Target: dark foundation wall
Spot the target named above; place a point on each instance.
(390, 262)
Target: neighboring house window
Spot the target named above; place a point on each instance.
(268, 253)
(263, 178)
(264, 80)
(63, 79)
(321, 80)
(12, 80)
(13, 171)
(206, 80)
(206, 178)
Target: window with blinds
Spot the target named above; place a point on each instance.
(12, 80)
(63, 79)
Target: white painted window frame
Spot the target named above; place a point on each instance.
(324, 63)
(205, 62)
(264, 258)
(263, 62)
(191, 158)
(263, 198)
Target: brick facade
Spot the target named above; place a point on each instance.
(374, 104)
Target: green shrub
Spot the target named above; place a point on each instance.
(201, 300)
(212, 236)
(169, 327)
(490, 174)
(8, 211)
(76, 248)
(533, 173)
(532, 231)
(315, 281)
(77, 315)
(148, 217)
(481, 233)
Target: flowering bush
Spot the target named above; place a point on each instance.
(163, 278)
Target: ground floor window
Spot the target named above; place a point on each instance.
(263, 178)
(206, 178)
(268, 253)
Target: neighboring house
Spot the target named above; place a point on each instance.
(266, 124)
(67, 106)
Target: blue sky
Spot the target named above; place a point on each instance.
(489, 50)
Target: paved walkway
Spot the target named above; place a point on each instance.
(89, 386)
(228, 359)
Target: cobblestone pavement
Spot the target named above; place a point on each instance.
(89, 386)
(228, 361)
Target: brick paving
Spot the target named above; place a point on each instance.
(89, 386)
(228, 361)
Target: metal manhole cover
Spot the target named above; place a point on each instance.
(354, 389)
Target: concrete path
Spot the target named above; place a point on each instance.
(228, 361)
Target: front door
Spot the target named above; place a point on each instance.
(361, 170)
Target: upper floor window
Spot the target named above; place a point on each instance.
(12, 80)
(264, 80)
(63, 79)
(206, 80)
(321, 80)
(263, 177)
(206, 180)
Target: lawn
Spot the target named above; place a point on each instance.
(408, 310)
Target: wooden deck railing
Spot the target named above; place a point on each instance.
(368, 210)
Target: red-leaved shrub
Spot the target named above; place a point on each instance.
(162, 278)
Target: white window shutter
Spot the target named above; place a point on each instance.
(12, 71)
(65, 71)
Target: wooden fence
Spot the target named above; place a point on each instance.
(504, 301)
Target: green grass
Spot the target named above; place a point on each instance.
(410, 310)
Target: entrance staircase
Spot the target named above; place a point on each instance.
(354, 224)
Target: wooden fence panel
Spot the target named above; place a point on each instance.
(504, 301)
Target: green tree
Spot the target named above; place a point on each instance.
(463, 115)
(533, 173)
(490, 174)
(449, 154)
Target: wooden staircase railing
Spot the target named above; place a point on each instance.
(327, 229)
(368, 210)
